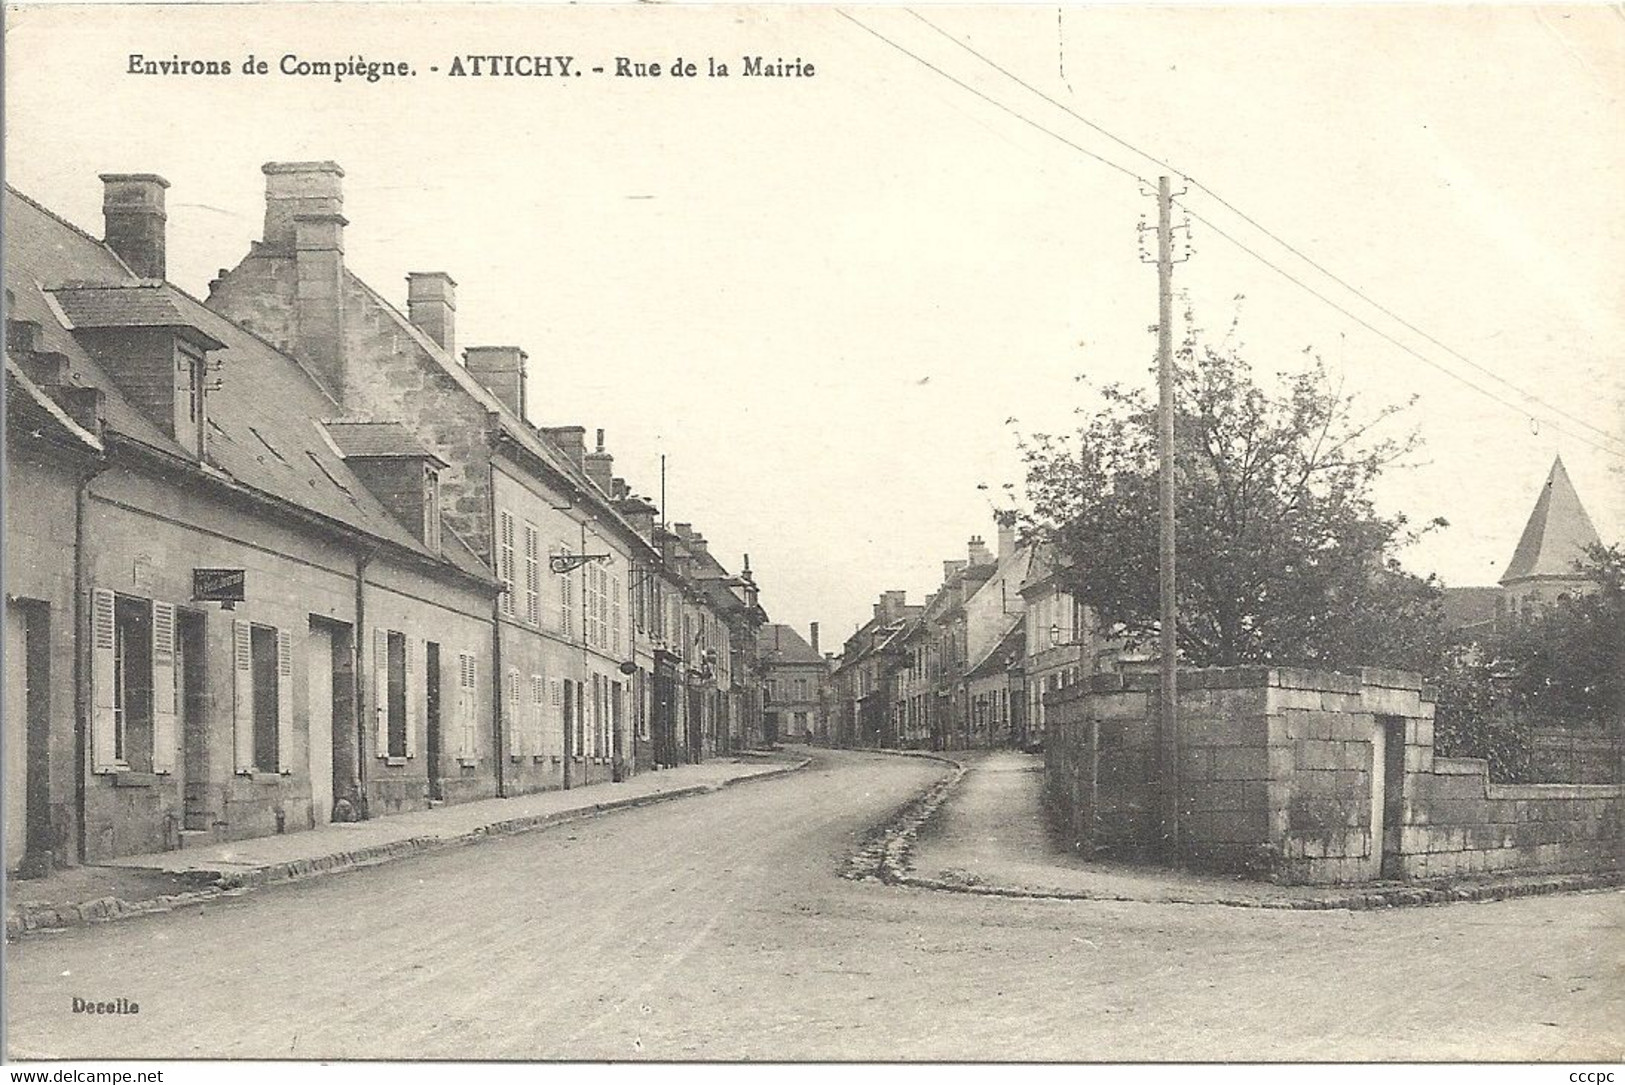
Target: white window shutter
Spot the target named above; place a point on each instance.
(505, 558)
(615, 615)
(242, 671)
(533, 575)
(103, 676)
(380, 691)
(412, 701)
(466, 704)
(510, 711)
(163, 687)
(284, 701)
(538, 698)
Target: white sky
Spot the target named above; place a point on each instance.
(757, 277)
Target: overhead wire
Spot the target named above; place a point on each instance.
(1273, 236)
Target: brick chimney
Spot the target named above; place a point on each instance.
(431, 305)
(134, 216)
(892, 603)
(600, 466)
(502, 371)
(572, 441)
(639, 513)
(813, 630)
(978, 551)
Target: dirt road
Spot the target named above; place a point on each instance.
(716, 928)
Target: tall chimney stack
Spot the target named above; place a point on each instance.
(572, 441)
(299, 188)
(502, 371)
(813, 629)
(1007, 533)
(978, 552)
(304, 217)
(134, 217)
(600, 466)
(431, 305)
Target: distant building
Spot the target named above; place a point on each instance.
(1542, 569)
(1554, 541)
(796, 676)
(865, 679)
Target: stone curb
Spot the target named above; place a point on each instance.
(886, 855)
(234, 883)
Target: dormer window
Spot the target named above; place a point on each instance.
(402, 474)
(191, 386)
(149, 344)
(431, 506)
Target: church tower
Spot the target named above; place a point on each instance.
(1555, 538)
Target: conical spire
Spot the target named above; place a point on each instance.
(1557, 534)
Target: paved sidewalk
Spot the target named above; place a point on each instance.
(990, 835)
(161, 881)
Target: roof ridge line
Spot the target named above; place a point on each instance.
(75, 227)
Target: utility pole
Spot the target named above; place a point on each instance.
(1168, 691)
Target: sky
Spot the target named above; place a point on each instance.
(833, 302)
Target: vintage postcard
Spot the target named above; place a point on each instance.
(964, 533)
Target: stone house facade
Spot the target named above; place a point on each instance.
(796, 675)
(194, 719)
(533, 503)
(284, 559)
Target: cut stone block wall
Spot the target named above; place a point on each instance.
(1307, 776)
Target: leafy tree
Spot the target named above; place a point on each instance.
(1283, 557)
(1563, 663)
(1566, 660)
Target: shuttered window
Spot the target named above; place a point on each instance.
(505, 559)
(534, 718)
(105, 752)
(467, 708)
(165, 688)
(513, 714)
(567, 603)
(615, 615)
(533, 575)
(398, 700)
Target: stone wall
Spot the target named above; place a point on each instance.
(1309, 777)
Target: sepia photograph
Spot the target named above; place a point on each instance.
(775, 533)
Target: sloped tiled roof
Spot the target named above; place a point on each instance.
(1470, 607)
(40, 247)
(1009, 646)
(1557, 534)
(263, 428)
(362, 440)
(142, 304)
(528, 437)
(779, 643)
(28, 407)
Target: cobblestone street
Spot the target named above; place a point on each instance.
(716, 927)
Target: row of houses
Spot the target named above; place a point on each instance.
(968, 667)
(285, 554)
(972, 665)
